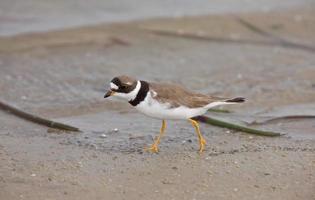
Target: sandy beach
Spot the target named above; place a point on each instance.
(61, 70)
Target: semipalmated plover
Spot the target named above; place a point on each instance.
(166, 101)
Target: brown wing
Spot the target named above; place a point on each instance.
(177, 95)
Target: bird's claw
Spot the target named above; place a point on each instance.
(202, 144)
(154, 148)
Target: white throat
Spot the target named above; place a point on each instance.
(131, 95)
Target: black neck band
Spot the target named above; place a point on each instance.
(144, 89)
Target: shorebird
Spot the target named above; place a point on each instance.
(166, 101)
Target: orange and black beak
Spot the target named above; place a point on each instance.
(109, 93)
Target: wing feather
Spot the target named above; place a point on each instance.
(177, 95)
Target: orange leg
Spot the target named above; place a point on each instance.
(154, 147)
(202, 141)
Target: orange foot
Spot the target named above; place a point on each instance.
(202, 144)
(154, 148)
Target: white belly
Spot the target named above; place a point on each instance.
(153, 108)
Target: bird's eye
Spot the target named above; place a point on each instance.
(123, 87)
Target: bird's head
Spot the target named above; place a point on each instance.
(124, 87)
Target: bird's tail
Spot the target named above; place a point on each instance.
(226, 102)
(235, 100)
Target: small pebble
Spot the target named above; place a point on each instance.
(33, 175)
(166, 181)
(235, 189)
(103, 136)
(184, 141)
(116, 129)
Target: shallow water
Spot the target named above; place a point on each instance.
(33, 15)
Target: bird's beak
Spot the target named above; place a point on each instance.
(109, 93)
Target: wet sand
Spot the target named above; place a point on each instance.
(63, 74)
